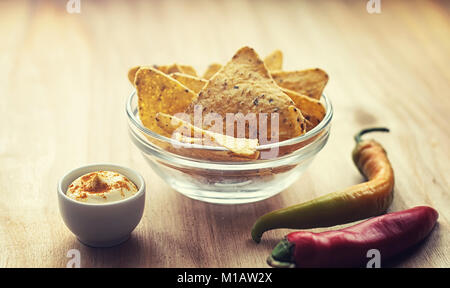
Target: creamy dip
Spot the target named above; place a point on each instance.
(101, 187)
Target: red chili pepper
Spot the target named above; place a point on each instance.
(390, 234)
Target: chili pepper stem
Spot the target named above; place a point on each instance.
(279, 264)
(369, 130)
(283, 251)
(282, 255)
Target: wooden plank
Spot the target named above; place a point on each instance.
(63, 87)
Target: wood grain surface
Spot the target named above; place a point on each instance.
(63, 88)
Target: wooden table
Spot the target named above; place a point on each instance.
(63, 88)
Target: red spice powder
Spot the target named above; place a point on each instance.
(97, 187)
(101, 187)
(92, 183)
(86, 178)
(121, 184)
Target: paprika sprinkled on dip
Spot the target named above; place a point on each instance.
(101, 187)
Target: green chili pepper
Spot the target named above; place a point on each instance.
(357, 202)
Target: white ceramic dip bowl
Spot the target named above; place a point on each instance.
(101, 225)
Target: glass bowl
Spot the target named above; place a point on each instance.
(212, 174)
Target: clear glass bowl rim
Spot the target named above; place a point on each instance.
(308, 135)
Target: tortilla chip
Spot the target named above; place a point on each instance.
(274, 61)
(206, 154)
(311, 109)
(245, 86)
(167, 69)
(210, 155)
(310, 82)
(173, 126)
(157, 92)
(193, 83)
(189, 140)
(211, 70)
(174, 68)
(189, 70)
(132, 73)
